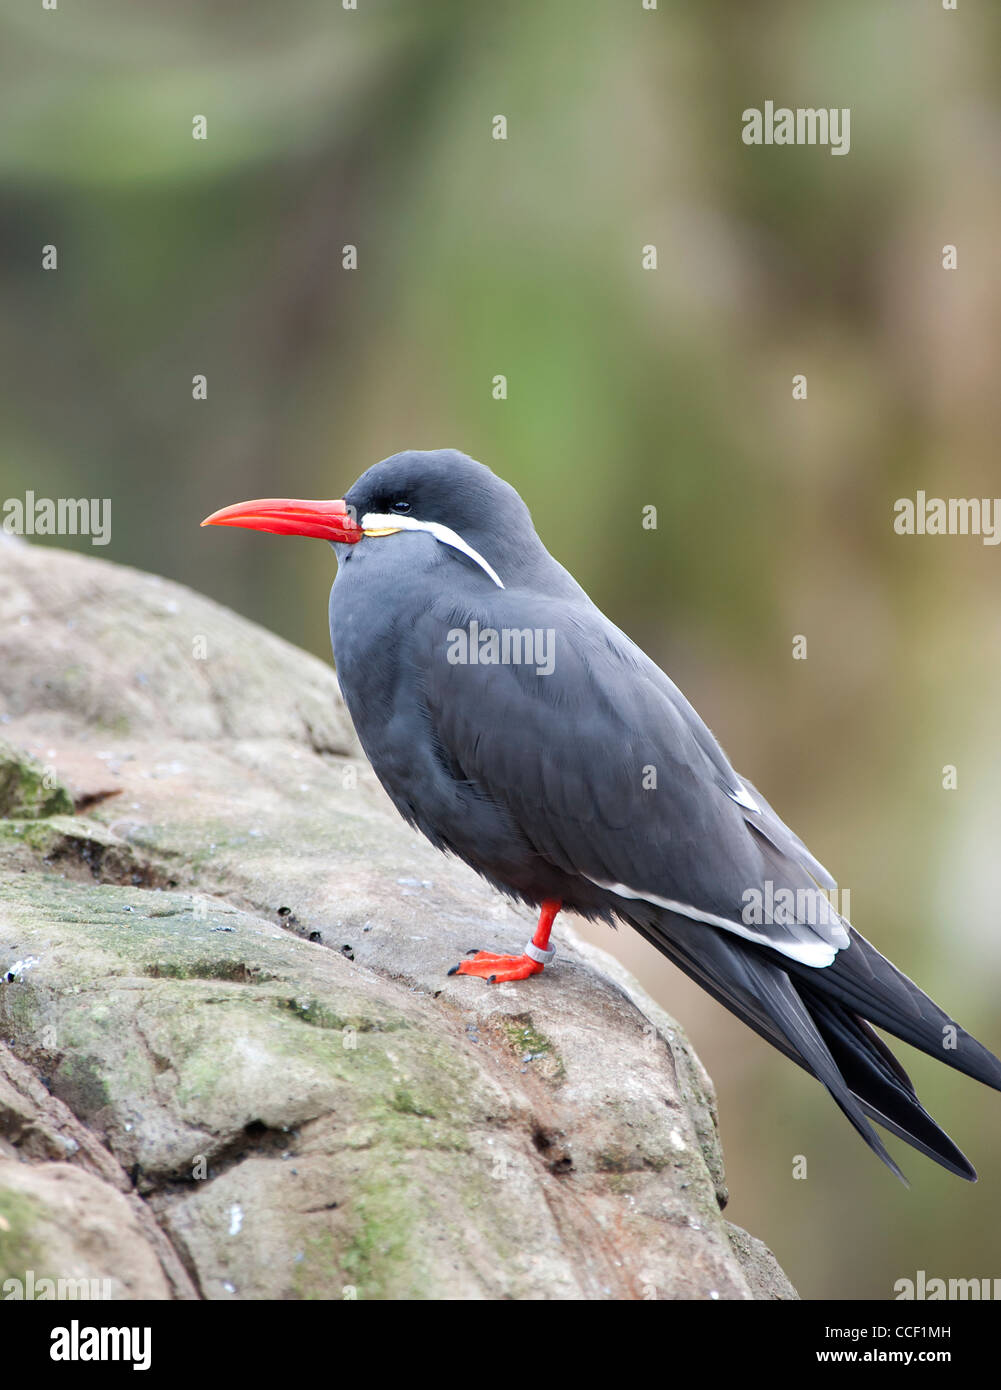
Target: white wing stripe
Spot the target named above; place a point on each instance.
(816, 953)
(743, 798)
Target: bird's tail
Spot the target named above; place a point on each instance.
(818, 1018)
(871, 986)
(880, 1084)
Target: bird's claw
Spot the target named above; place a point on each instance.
(498, 969)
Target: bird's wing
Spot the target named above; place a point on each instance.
(611, 775)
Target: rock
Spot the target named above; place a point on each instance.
(28, 790)
(223, 989)
(59, 1224)
(75, 1217)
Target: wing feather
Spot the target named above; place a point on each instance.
(611, 776)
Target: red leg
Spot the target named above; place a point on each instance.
(498, 970)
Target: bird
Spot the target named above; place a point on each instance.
(518, 728)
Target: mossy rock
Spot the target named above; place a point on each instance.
(28, 789)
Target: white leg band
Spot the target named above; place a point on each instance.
(538, 954)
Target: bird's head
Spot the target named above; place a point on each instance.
(441, 492)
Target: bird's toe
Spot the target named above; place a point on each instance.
(497, 969)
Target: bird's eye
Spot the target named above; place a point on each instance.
(401, 507)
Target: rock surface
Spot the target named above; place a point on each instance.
(232, 1064)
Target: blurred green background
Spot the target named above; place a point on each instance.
(626, 387)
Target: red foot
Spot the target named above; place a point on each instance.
(497, 970)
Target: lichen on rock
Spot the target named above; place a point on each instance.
(28, 789)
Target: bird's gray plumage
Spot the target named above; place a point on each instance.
(597, 783)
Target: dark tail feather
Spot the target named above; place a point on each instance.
(764, 997)
(872, 987)
(814, 1017)
(880, 1083)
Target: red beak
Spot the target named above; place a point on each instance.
(291, 516)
